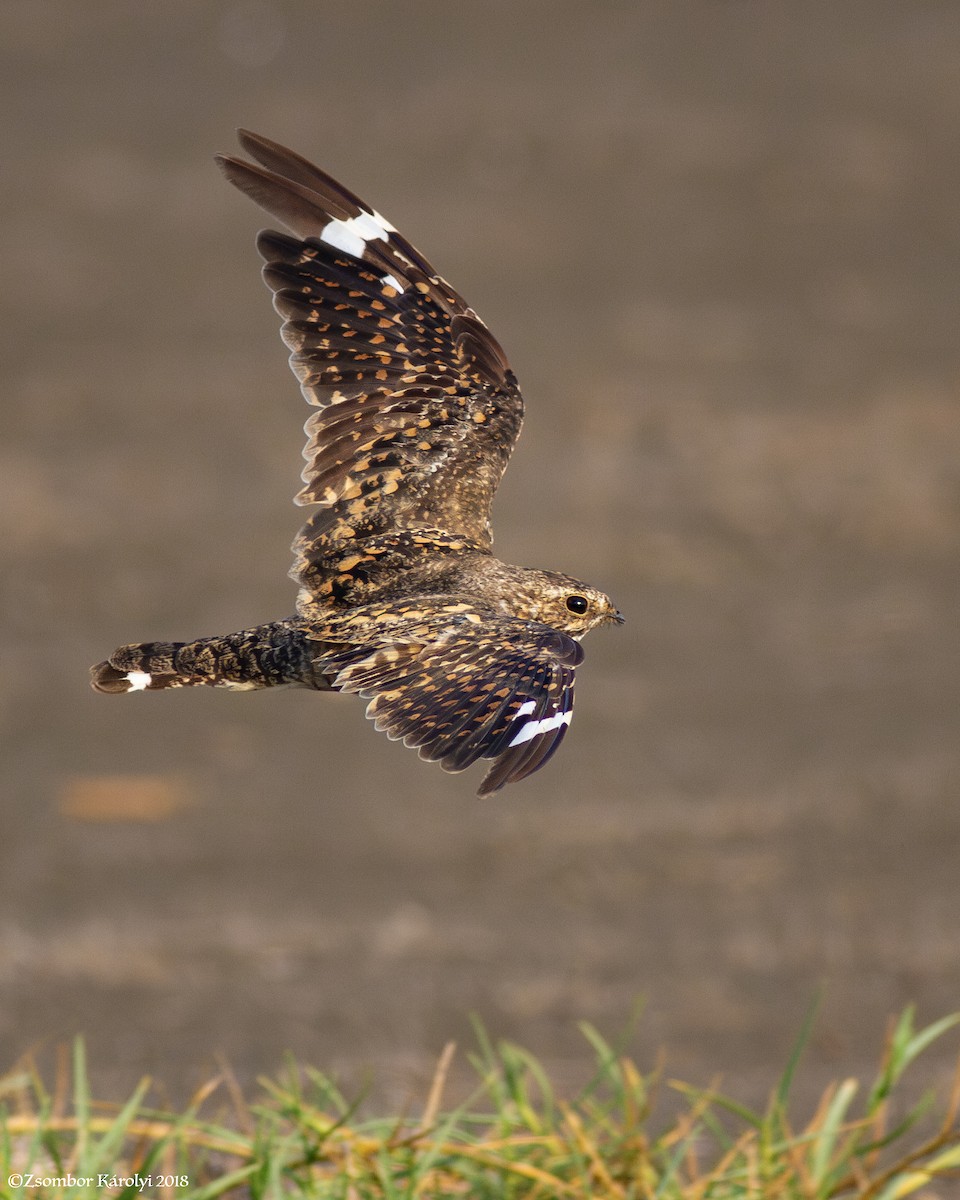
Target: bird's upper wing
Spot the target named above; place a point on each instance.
(418, 410)
(457, 682)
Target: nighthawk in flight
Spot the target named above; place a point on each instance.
(416, 415)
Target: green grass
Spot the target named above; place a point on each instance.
(513, 1138)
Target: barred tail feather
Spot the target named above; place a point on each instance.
(137, 668)
(268, 656)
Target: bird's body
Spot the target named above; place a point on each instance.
(417, 412)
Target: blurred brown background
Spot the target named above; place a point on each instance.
(719, 241)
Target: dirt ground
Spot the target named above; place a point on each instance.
(719, 241)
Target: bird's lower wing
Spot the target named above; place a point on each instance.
(457, 683)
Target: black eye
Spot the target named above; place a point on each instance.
(577, 604)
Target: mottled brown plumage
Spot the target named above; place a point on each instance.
(417, 413)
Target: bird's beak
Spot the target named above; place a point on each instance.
(618, 617)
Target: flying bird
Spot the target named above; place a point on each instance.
(416, 413)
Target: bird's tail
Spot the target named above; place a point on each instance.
(267, 656)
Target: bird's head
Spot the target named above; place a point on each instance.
(569, 604)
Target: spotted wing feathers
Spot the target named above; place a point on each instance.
(459, 684)
(418, 410)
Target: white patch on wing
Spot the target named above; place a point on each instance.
(382, 221)
(342, 237)
(531, 728)
(353, 234)
(367, 226)
(138, 680)
(392, 281)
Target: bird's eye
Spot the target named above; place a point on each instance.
(577, 604)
